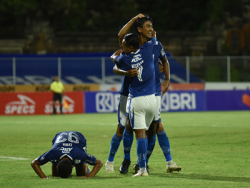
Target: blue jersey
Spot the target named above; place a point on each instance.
(158, 53)
(142, 59)
(71, 144)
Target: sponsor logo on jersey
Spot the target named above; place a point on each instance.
(24, 105)
(70, 104)
(65, 150)
(136, 58)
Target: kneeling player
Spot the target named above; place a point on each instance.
(68, 150)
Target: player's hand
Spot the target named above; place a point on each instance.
(165, 86)
(132, 73)
(139, 16)
(154, 34)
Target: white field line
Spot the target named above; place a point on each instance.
(6, 158)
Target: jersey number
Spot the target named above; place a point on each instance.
(72, 137)
(140, 68)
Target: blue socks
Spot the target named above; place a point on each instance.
(127, 142)
(164, 144)
(114, 145)
(141, 152)
(151, 145)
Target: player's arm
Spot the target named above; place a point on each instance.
(54, 170)
(97, 166)
(114, 55)
(166, 70)
(130, 73)
(36, 166)
(127, 27)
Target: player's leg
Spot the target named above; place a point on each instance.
(165, 146)
(127, 143)
(60, 98)
(82, 169)
(54, 107)
(117, 137)
(114, 145)
(153, 127)
(143, 110)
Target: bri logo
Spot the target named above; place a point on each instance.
(25, 105)
(107, 102)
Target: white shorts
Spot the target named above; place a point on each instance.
(157, 117)
(141, 111)
(122, 119)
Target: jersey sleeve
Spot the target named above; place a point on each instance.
(162, 53)
(46, 157)
(90, 159)
(123, 62)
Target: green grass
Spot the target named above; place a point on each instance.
(212, 148)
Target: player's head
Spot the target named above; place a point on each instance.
(130, 43)
(64, 168)
(144, 26)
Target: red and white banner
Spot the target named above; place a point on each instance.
(39, 103)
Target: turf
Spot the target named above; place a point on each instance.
(211, 147)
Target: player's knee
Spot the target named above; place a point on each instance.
(160, 127)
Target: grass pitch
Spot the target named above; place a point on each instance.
(212, 148)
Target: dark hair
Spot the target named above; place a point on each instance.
(64, 168)
(132, 40)
(140, 22)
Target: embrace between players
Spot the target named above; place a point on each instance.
(138, 111)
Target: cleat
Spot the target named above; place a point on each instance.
(124, 167)
(171, 166)
(136, 168)
(109, 166)
(139, 173)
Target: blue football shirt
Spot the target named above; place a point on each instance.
(142, 59)
(71, 144)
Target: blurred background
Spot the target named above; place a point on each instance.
(207, 42)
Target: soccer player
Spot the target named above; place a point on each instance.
(69, 149)
(144, 28)
(57, 88)
(122, 119)
(141, 101)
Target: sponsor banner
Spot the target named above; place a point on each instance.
(174, 101)
(39, 103)
(228, 100)
(107, 102)
(101, 102)
(42, 88)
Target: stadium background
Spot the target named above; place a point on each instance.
(207, 45)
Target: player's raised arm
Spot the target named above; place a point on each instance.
(36, 166)
(127, 27)
(130, 73)
(166, 70)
